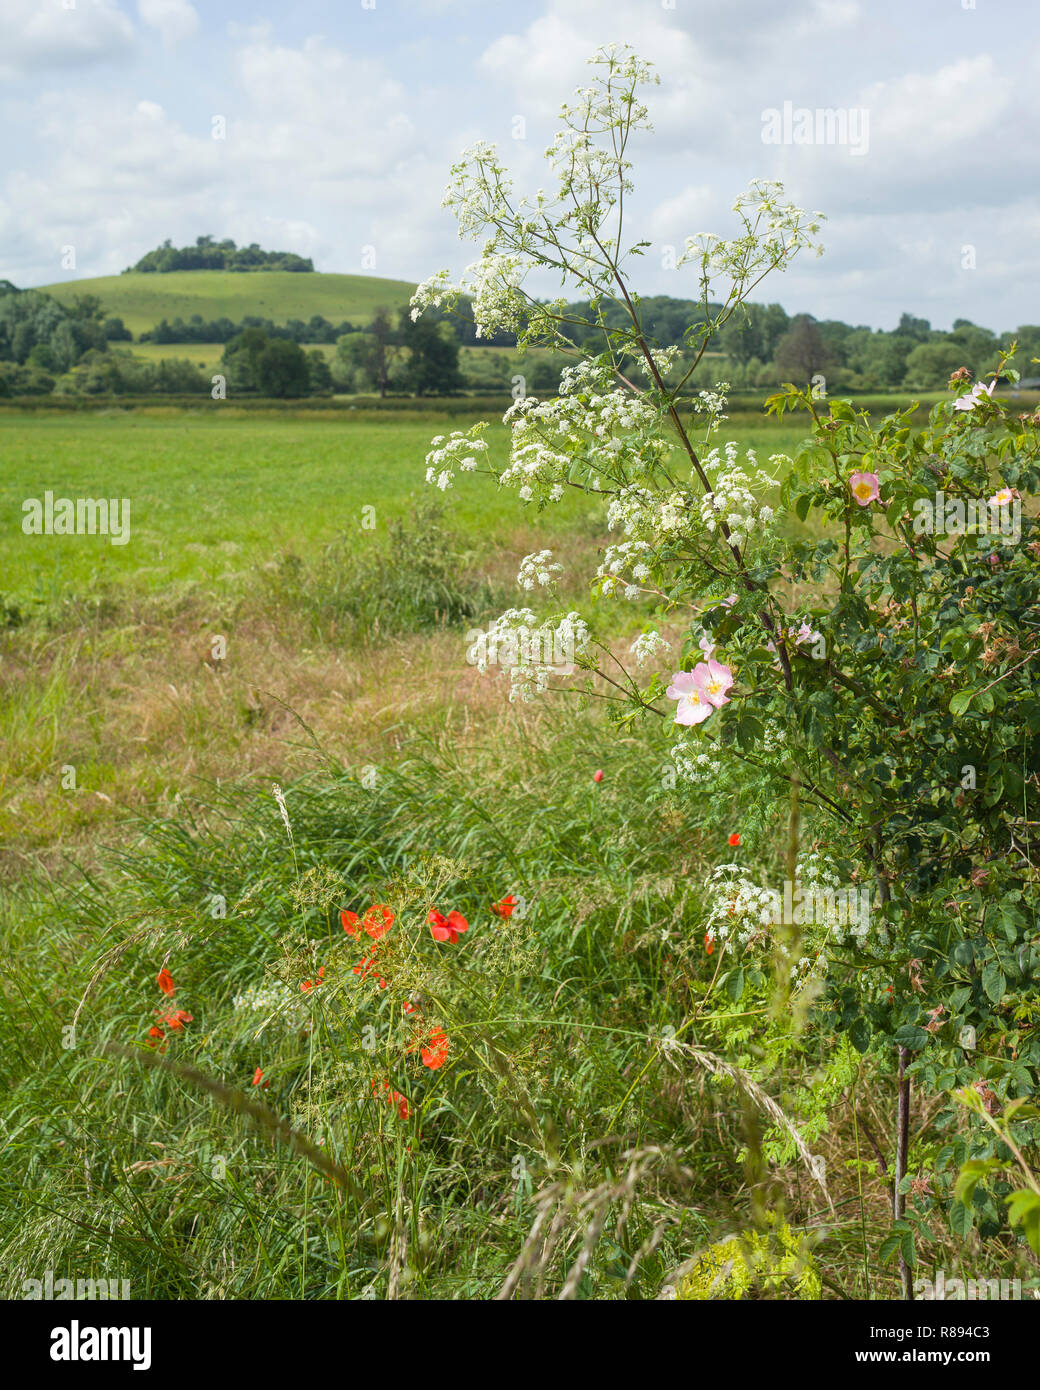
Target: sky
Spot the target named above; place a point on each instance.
(341, 121)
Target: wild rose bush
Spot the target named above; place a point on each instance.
(857, 626)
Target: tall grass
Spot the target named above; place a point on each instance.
(419, 575)
(113, 1166)
(568, 1148)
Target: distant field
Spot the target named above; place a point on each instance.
(208, 354)
(209, 496)
(213, 495)
(201, 354)
(142, 300)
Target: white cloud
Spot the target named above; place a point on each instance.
(954, 106)
(345, 141)
(175, 20)
(338, 163)
(35, 35)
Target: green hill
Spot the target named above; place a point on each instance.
(141, 300)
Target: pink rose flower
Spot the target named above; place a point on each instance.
(693, 706)
(700, 691)
(866, 487)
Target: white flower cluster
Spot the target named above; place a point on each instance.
(628, 555)
(268, 998)
(664, 359)
(713, 403)
(774, 737)
(739, 909)
(830, 918)
(434, 291)
(537, 569)
(479, 185)
(531, 650)
(647, 645)
(731, 498)
(774, 233)
(271, 1004)
(694, 765)
(675, 512)
(459, 450)
(493, 283)
(744, 912)
(592, 428)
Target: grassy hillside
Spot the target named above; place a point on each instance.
(142, 300)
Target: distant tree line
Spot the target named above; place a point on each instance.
(47, 346)
(198, 330)
(385, 357)
(208, 254)
(767, 346)
(913, 356)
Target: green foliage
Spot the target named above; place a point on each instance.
(432, 367)
(774, 1263)
(417, 576)
(282, 369)
(36, 330)
(208, 254)
(137, 1172)
(870, 634)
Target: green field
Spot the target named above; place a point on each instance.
(205, 355)
(142, 300)
(213, 493)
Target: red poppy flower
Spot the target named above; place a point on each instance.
(506, 907)
(709, 942)
(309, 984)
(447, 928)
(377, 921)
(165, 981)
(368, 967)
(177, 1021)
(435, 1053)
(258, 1080)
(734, 839)
(408, 1007)
(597, 776)
(392, 1097)
(155, 1033)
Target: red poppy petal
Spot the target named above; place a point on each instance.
(378, 920)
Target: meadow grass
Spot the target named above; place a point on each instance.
(599, 1120)
(214, 495)
(562, 1099)
(204, 355)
